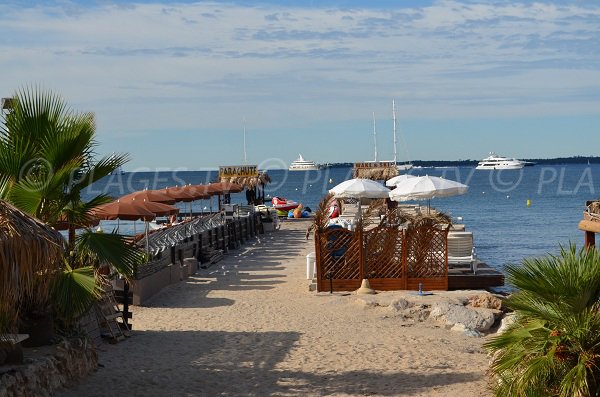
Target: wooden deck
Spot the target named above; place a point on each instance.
(463, 278)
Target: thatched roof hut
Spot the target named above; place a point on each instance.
(380, 171)
(30, 252)
(250, 182)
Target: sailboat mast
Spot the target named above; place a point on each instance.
(375, 136)
(245, 154)
(395, 139)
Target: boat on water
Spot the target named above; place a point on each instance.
(300, 164)
(405, 166)
(496, 162)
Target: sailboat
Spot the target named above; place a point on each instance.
(401, 167)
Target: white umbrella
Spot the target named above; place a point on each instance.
(426, 188)
(397, 180)
(360, 188)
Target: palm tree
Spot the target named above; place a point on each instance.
(553, 348)
(46, 160)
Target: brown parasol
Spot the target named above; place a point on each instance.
(158, 209)
(156, 196)
(199, 192)
(178, 193)
(123, 210)
(219, 188)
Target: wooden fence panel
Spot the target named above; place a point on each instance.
(391, 258)
(383, 258)
(426, 258)
(339, 260)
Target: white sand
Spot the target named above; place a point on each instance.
(248, 326)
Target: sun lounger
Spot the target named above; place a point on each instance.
(461, 250)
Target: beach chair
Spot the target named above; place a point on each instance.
(461, 250)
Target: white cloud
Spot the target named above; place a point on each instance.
(153, 67)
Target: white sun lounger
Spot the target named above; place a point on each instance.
(461, 250)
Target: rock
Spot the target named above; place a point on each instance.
(471, 318)
(507, 321)
(400, 304)
(466, 331)
(485, 301)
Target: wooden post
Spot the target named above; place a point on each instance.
(126, 305)
(590, 239)
(318, 259)
(361, 257)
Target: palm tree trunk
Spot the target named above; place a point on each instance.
(71, 237)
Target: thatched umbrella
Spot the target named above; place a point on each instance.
(30, 254)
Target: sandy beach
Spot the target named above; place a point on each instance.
(248, 326)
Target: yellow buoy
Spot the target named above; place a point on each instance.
(529, 203)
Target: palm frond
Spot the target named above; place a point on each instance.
(108, 248)
(75, 289)
(553, 348)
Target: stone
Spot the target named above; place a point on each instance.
(400, 304)
(485, 301)
(466, 331)
(472, 318)
(507, 321)
(40, 377)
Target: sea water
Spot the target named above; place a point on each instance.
(495, 208)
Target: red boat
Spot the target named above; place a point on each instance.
(281, 204)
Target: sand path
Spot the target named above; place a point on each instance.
(249, 327)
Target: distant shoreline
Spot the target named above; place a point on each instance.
(466, 163)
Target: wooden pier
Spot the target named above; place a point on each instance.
(485, 277)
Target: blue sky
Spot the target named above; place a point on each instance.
(172, 82)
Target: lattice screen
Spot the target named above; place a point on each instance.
(383, 253)
(340, 254)
(426, 252)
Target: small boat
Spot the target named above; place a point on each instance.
(281, 204)
(300, 164)
(495, 162)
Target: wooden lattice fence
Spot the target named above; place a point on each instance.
(340, 260)
(391, 257)
(426, 257)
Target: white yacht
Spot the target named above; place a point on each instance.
(495, 162)
(303, 165)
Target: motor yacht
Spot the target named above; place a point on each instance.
(300, 164)
(496, 162)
